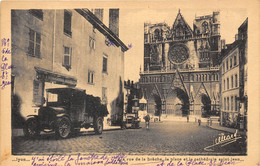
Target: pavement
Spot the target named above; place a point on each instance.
(164, 138)
(192, 119)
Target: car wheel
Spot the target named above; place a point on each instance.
(63, 127)
(31, 128)
(98, 125)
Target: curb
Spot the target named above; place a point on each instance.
(239, 132)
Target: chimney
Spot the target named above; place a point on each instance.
(236, 37)
(223, 44)
(114, 21)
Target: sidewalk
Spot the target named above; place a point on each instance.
(216, 126)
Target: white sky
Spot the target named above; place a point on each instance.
(131, 28)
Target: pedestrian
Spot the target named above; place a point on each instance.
(199, 121)
(147, 121)
(188, 118)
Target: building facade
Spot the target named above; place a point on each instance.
(181, 66)
(234, 81)
(230, 85)
(66, 48)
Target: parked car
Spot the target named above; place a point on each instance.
(67, 110)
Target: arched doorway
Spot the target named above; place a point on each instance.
(177, 102)
(154, 105)
(206, 105)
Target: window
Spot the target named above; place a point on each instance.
(205, 27)
(224, 84)
(227, 83)
(104, 95)
(34, 43)
(223, 67)
(231, 62)
(92, 43)
(235, 60)
(227, 64)
(67, 57)
(228, 103)
(236, 80)
(37, 13)
(236, 104)
(225, 104)
(91, 77)
(67, 23)
(105, 64)
(232, 106)
(232, 86)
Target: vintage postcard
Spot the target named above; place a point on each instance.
(156, 83)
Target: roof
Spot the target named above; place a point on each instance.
(180, 17)
(100, 26)
(230, 48)
(244, 24)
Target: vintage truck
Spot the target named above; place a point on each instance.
(67, 110)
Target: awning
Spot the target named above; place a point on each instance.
(58, 78)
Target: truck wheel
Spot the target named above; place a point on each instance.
(63, 127)
(98, 125)
(31, 128)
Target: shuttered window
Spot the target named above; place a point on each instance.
(67, 23)
(67, 57)
(34, 48)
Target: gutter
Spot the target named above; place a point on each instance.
(89, 16)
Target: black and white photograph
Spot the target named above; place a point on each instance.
(130, 84)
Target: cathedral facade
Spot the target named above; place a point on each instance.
(181, 66)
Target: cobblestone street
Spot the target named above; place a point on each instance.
(166, 138)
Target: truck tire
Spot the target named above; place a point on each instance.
(63, 127)
(98, 125)
(31, 128)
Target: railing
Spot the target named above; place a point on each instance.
(166, 70)
(176, 39)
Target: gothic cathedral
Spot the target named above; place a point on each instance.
(181, 66)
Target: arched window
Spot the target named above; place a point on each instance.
(205, 27)
(157, 34)
(192, 77)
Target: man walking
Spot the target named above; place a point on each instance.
(147, 121)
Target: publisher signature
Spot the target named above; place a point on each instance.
(223, 140)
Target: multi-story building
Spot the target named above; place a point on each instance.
(233, 72)
(230, 84)
(181, 66)
(73, 48)
(243, 68)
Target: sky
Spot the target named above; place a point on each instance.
(131, 29)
